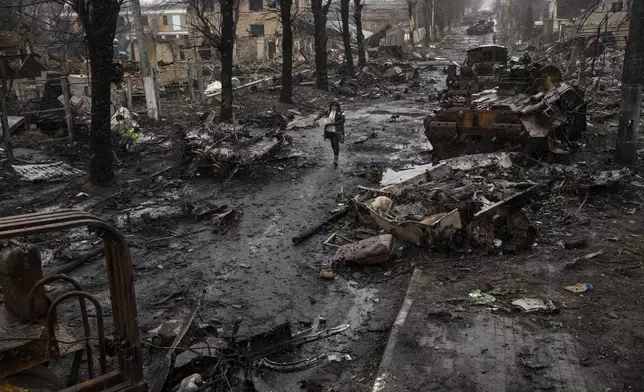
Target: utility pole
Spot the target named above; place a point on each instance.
(148, 80)
(632, 80)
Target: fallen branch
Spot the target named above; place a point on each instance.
(332, 219)
(176, 235)
(161, 373)
(80, 261)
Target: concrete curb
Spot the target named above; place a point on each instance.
(380, 382)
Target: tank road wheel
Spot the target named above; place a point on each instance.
(481, 233)
(520, 229)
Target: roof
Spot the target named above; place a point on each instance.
(18, 67)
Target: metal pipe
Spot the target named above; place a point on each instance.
(83, 308)
(51, 322)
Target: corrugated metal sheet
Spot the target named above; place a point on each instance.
(47, 171)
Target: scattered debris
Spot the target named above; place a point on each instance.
(478, 297)
(226, 219)
(576, 243)
(613, 315)
(374, 250)
(191, 383)
(309, 232)
(160, 374)
(579, 260)
(223, 149)
(327, 274)
(381, 204)
(165, 332)
(529, 305)
(580, 287)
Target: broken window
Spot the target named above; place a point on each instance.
(256, 5)
(165, 20)
(257, 30)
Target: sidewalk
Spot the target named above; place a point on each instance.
(440, 342)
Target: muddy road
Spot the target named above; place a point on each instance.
(252, 271)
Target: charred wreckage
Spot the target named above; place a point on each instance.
(501, 104)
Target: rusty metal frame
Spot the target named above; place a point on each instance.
(51, 321)
(83, 309)
(119, 269)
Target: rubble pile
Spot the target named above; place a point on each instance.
(470, 201)
(222, 148)
(484, 203)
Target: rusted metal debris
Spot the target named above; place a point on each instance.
(46, 339)
(218, 360)
(459, 204)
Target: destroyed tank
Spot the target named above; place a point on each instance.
(481, 27)
(497, 121)
(489, 66)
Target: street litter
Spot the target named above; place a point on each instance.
(165, 332)
(580, 287)
(191, 383)
(381, 204)
(327, 274)
(480, 298)
(213, 88)
(579, 260)
(530, 305)
(218, 358)
(125, 128)
(374, 250)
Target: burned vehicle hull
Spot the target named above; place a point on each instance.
(490, 66)
(531, 124)
(480, 28)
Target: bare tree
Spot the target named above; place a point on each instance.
(528, 21)
(411, 4)
(358, 5)
(286, 93)
(99, 19)
(346, 35)
(632, 81)
(219, 30)
(320, 12)
(287, 13)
